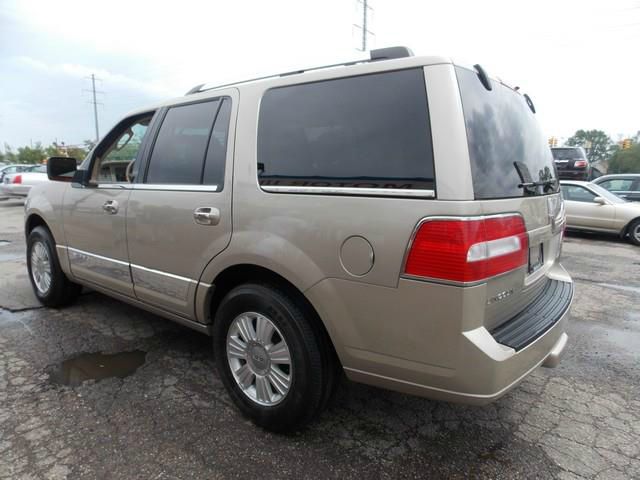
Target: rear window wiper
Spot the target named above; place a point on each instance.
(528, 184)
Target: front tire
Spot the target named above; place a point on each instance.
(50, 285)
(270, 357)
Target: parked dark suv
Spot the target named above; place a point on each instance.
(572, 163)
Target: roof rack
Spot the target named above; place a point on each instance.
(379, 54)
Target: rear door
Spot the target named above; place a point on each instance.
(179, 215)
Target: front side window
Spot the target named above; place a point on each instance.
(181, 145)
(369, 131)
(577, 194)
(117, 162)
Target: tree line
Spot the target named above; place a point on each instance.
(37, 153)
(598, 145)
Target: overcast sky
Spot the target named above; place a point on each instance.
(578, 60)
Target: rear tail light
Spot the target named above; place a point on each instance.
(17, 179)
(580, 163)
(468, 250)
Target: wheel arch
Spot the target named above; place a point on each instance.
(239, 274)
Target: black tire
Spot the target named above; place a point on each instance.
(61, 290)
(634, 232)
(313, 371)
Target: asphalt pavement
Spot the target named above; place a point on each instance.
(154, 408)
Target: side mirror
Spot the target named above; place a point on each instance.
(600, 201)
(61, 169)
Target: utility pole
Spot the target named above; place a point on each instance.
(95, 103)
(364, 27)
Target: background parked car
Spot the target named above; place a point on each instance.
(572, 164)
(592, 208)
(19, 184)
(626, 185)
(15, 168)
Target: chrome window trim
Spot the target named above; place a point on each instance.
(463, 218)
(385, 192)
(175, 188)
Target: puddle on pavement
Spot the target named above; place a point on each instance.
(96, 366)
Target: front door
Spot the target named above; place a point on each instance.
(584, 212)
(94, 216)
(179, 215)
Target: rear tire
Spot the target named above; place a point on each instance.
(634, 232)
(50, 285)
(272, 359)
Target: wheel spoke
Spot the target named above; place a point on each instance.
(279, 353)
(279, 380)
(264, 330)
(236, 348)
(245, 376)
(246, 329)
(263, 391)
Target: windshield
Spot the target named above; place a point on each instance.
(598, 190)
(502, 130)
(568, 154)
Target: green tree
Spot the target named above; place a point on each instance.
(626, 161)
(35, 154)
(597, 144)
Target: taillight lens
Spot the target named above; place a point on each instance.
(468, 250)
(580, 163)
(17, 179)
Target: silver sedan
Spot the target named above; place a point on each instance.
(592, 208)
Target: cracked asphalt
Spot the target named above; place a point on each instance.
(172, 418)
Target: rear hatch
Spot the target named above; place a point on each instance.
(514, 176)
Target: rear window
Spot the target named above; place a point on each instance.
(568, 154)
(369, 131)
(502, 130)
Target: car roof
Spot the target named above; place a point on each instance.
(616, 175)
(575, 182)
(347, 69)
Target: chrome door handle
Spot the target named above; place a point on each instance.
(110, 206)
(206, 215)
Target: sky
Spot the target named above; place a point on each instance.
(578, 60)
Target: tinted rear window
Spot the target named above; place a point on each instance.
(501, 130)
(567, 154)
(369, 131)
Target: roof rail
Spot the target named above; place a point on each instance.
(388, 53)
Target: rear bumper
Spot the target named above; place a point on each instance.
(430, 342)
(573, 174)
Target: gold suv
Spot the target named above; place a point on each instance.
(396, 218)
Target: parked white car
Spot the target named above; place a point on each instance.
(592, 208)
(13, 168)
(17, 185)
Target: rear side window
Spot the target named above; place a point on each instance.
(369, 131)
(502, 130)
(190, 134)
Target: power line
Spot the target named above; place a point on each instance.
(364, 27)
(95, 103)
